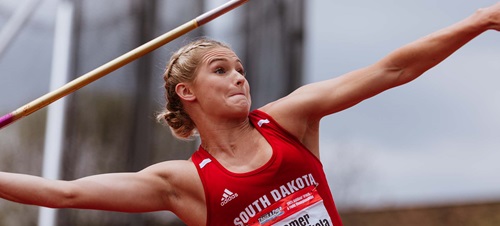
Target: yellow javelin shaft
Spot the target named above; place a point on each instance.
(117, 63)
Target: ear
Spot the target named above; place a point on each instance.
(184, 92)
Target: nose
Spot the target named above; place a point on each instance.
(240, 79)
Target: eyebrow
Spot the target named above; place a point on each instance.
(222, 59)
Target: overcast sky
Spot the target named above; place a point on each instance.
(433, 140)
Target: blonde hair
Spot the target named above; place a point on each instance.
(182, 68)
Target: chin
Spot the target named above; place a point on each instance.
(241, 111)
(240, 107)
(241, 104)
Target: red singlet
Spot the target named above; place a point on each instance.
(290, 189)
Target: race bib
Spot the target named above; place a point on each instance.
(302, 208)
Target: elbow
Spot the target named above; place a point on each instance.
(406, 75)
(399, 74)
(402, 77)
(66, 200)
(396, 70)
(396, 76)
(63, 196)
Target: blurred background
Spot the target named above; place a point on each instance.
(423, 154)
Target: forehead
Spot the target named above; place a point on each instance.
(218, 54)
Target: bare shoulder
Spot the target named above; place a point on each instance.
(298, 105)
(289, 113)
(179, 175)
(184, 189)
(172, 168)
(293, 111)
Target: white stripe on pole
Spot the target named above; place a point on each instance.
(54, 133)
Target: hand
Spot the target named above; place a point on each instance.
(492, 15)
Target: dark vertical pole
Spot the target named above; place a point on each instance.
(139, 148)
(293, 48)
(274, 48)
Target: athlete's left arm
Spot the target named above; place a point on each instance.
(399, 67)
(301, 111)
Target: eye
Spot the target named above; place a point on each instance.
(220, 70)
(241, 71)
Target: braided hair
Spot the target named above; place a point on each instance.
(182, 68)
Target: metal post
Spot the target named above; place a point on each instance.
(54, 134)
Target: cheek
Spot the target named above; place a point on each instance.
(210, 92)
(247, 87)
(207, 86)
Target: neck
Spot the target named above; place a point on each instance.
(237, 144)
(239, 150)
(221, 131)
(226, 137)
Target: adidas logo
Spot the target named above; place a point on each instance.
(227, 197)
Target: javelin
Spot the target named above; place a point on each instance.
(117, 63)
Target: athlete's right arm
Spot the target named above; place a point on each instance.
(158, 187)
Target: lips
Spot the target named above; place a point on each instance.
(237, 94)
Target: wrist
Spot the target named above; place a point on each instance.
(484, 19)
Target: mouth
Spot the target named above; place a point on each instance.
(237, 94)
